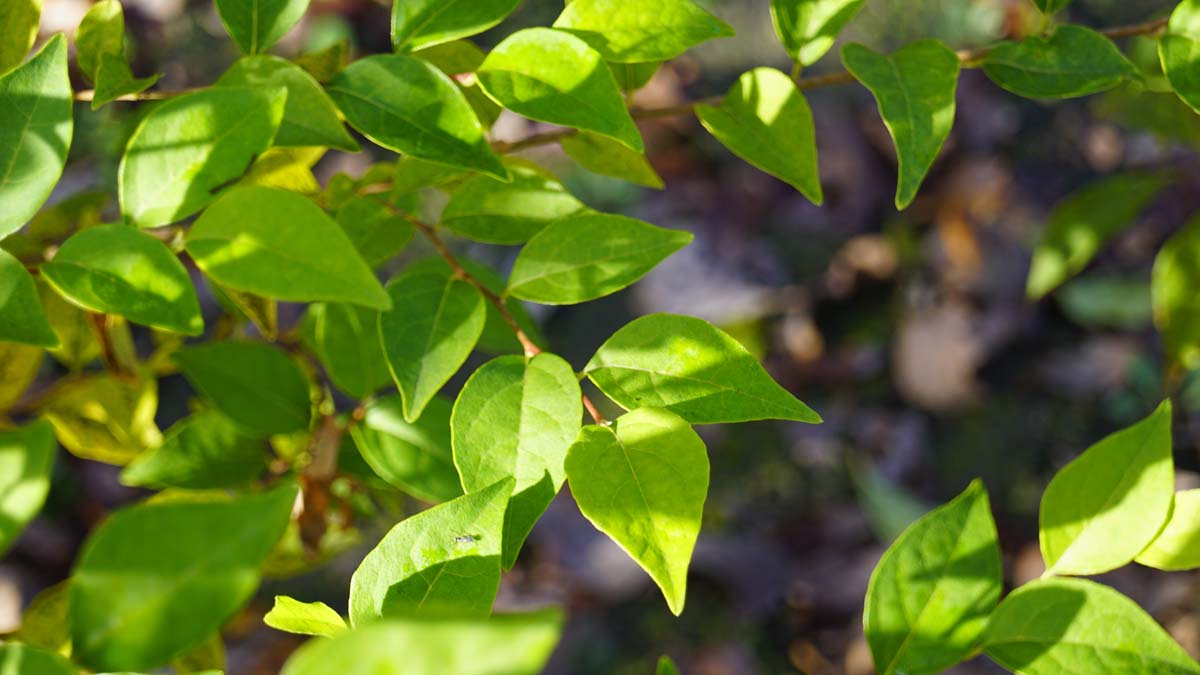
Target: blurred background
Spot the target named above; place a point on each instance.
(909, 332)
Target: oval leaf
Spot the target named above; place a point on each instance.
(115, 269)
(190, 566)
(278, 244)
(346, 339)
(642, 481)
(1179, 52)
(432, 327)
(691, 368)
(589, 256)
(446, 558)
(497, 212)
(808, 28)
(256, 385)
(1045, 625)
(1073, 61)
(26, 457)
(420, 23)
(914, 88)
(101, 32)
(553, 76)
(930, 596)
(1107, 505)
(304, 618)
(21, 316)
(765, 120)
(35, 130)
(602, 155)
(104, 418)
(416, 457)
(1177, 547)
(203, 451)
(20, 21)
(411, 107)
(187, 148)
(255, 25)
(634, 32)
(517, 417)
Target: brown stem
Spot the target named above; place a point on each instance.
(108, 352)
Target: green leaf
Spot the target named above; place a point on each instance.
(19, 659)
(666, 666)
(26, 457)
(1073, 61)
(116, 269)
(256, 385)
(19, 366)
(633, 76)
(808, 28)
(588, 256)
(443, 559)
(1054, 626)
(105, 419)
(189, 147)
(765, 120)
(114, 79)
(497, 212)
(642, 481)
(1051, 6)
(304, 618)
(1176, 305)
(517, 417)
(102, 31)
(21, 316)
(456, 59)
(419, 23)
(914, 88)
(1179, 52)
(324, 63)
(552, 76)
(1105, 302)
(376, 232)
(634, 32)
(691, 368)
(346, 339)
(200, 452)
(20, 19)
(255, 25)
(416, 457)
(1107, 505)
(44, 622)
(278, 244)
(1083, 223)
(433, 325)
(187, 565)
(1177, 546)
(930, 596)
(602, 155)
(309, 116)
(35, 130)
(77, 345)
(409, 106)
(260, 311)
(512, 644)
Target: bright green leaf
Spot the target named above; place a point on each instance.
(419, 23)
(602, 155)
(666, 666)
(512, 644)
(444, 559)
(346, 338)
(1073, 61)
(1056, 626)
(304, 618)
(553, 76)
(634, 32)
(765, 120)
(497, 212)
(187, 565)
(808, 28)
(116, 269)
(255, 25)
(1107, 505)
(278, 244)
(930, 596)
(376, 232)
(1177, 547)
(21, 316)
(517, 417)
(309, 116)
(1179, 52)
(1173, 289)
(105, 419)
(588, 256)
(20, 19)
(691, 368)
(102, 31)
(255, 384)
(35, 131)
(26, 457)
(1082, 223)
(114, 79)
(416, 457)
(19, 659)
(407, 105)
(200, 452)
(456, 59)
(914, 88)
(192, 145)
(642, 481)
(433, 325)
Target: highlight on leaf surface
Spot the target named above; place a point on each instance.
(1177, 546)
(636, 32)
